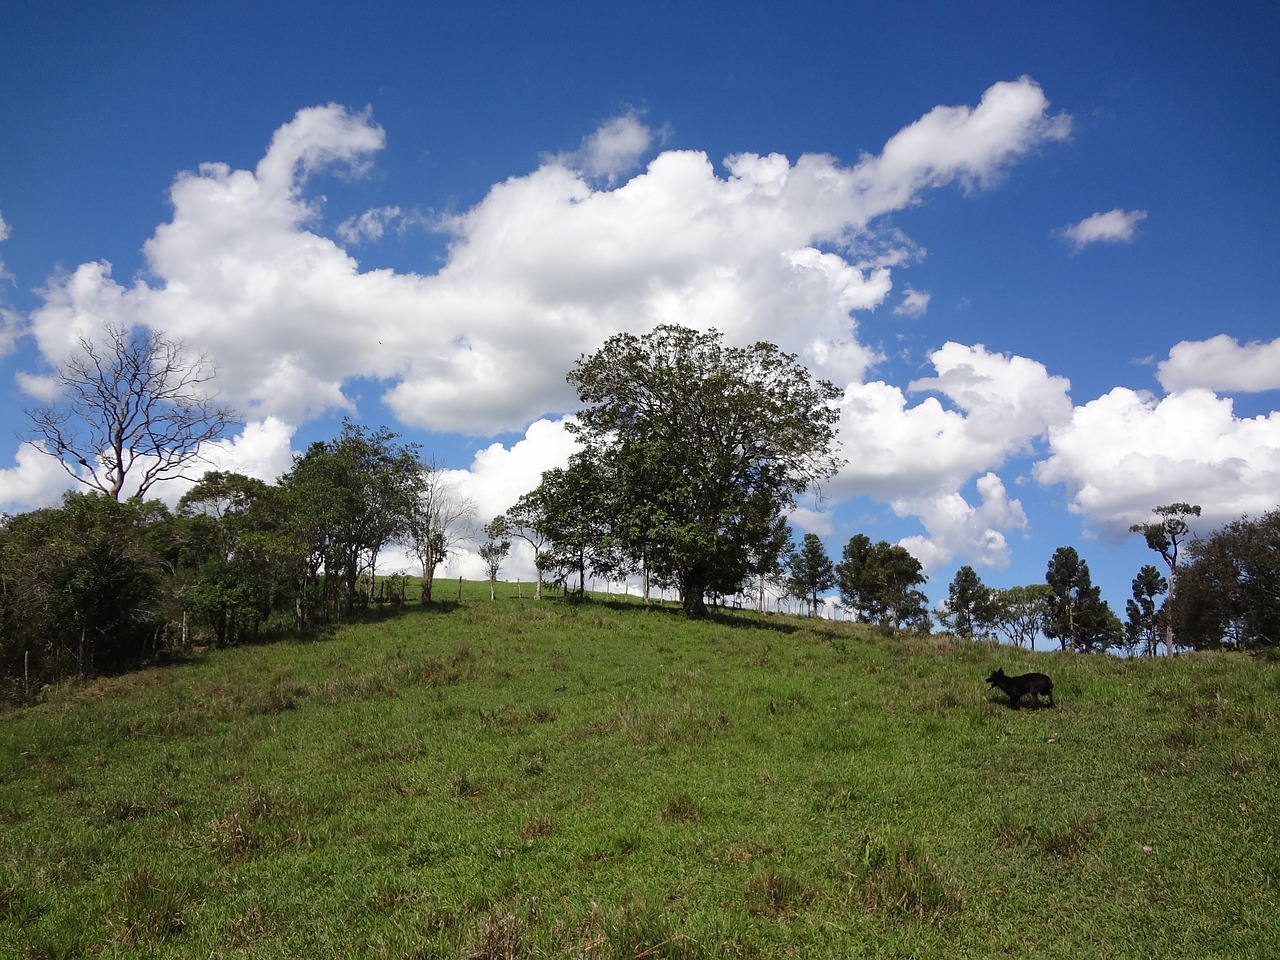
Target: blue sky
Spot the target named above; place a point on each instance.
(1037, 247)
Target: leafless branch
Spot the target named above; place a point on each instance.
(135, 406)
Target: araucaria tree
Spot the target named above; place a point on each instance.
(971, 606)
(1166, 536)
(1075, 613)
(694, 434)
(811, 572)
(134, 409)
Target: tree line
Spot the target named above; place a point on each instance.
(691, 453)
(1227, 596)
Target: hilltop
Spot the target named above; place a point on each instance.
(536, 779)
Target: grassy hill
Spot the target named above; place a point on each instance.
(532, 779)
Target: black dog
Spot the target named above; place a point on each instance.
(1016, 687)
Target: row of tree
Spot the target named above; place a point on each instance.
(1227, 594)
(100, 584)
(1228, 591)
(691, 453)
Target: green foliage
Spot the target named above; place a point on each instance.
(971, 606)
(1142, 625)
(230, 560)
(610, 780)
(346, 499)
(568, 510)
(698, 447)
(1166, 537)
(1019, 612)
(80, 588)
(812, 572)
(880, 582)
(1075, 613)
(1229, 594)
(495, 549)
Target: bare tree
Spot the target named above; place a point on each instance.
(134, 407)
(494, 550)
(442, 520)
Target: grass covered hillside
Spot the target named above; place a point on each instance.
(532, 779)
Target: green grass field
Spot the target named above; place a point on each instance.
(534, 779)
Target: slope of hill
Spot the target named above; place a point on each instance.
(520, 779)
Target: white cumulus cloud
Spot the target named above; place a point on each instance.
(1114, 226)
(917, 458)
(1127, 452)
(1221, 364)
(549, 264)
(915, 303)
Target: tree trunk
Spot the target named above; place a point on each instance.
(692, 591)
(428, 575)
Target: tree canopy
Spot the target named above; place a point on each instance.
(811, 571)
(1075, 613)
(694, 435)
(1229, 593)
(880, 582)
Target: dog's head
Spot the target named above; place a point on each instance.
(995, 677)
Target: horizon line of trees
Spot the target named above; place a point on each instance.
(690, 454)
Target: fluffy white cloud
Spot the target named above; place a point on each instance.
(915, 303)
(1221, 364)
(917, 458)
(617, 147)
(551, 263)
(1126, 452)
(998, 406)
(955, 528)
(499, 476)
(1114, 226)
(35, 480)
(540, 271)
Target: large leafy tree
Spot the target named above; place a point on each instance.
(570, 508)
(348, 499)
(811, 571)
(232, 564)
(1166, 536)
(880, 582)
(1230, 591)
(134, 408)
(692, 431)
